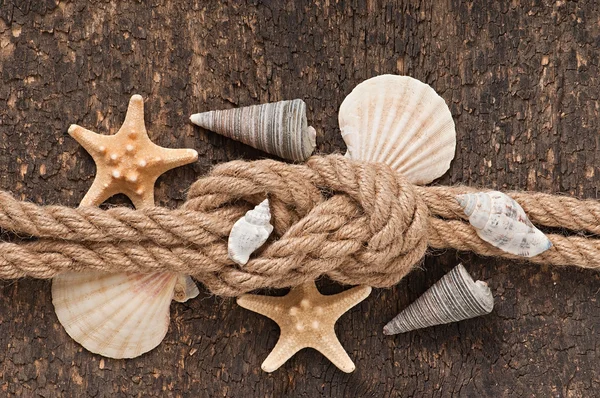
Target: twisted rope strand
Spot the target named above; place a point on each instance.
(544, 210)
(45, 259)
(206, 217)
(565, 250)
(357, 223)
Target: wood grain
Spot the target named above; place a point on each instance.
(522, 82)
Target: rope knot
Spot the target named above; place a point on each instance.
(349, 220)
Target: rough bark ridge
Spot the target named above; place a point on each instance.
(521, 81)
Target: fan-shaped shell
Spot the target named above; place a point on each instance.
(502, 222)
(400, 121)
(249, 233)
(453, 298)
(117, 315)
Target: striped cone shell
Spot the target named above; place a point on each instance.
(278, 128)
(453, 298)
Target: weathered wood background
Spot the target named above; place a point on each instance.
(521, 79)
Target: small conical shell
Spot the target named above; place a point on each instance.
(185, 289)
(402, 122)
(102, 311)
(249, 233)
(501, 221)
(453, 298)
(277, 128)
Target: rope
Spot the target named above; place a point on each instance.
(357, 223)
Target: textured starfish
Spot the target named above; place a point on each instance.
(306, 319)
(128, 162)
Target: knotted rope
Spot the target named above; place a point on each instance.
(357, 223)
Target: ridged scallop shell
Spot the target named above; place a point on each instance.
(502, 222)
(453, 298)
(278, 128)
(118, 315)
(249, 233)
(400, 121)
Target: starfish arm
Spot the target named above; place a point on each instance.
(98, 192)
(330, 346)
(340, 303)
(171, 158)
(144, 199)
(268, 306)
(286, 347)
(307, 289)
(134, 118)
(93, 143)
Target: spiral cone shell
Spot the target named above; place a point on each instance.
(453, 298)
(249, 233)
(118, 315)
(278, 128)
(501, 221)
(402, 122)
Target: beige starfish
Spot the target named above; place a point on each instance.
(128, 162)
(306, 319)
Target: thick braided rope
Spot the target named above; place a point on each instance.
(177, 227)
(357, 223)
(544, 210)
(335, 217)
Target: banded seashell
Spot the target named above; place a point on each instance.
(278, 128)
(118, 315)
(249, 233)
(453, 298)
(502, 222)
(402, 122)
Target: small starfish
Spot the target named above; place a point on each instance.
(128, 162)
(306, 319)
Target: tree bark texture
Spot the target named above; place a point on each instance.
(521, 80)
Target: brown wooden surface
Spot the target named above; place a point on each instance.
(521, 79)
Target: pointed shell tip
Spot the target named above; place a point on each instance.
(195, 118)
(238, 259)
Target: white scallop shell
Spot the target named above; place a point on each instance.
(118, 315)
(453, 298)
(502, 222)
(249, 233)
(400, 121)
